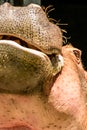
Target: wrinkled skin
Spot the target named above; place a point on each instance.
(69, 91)
(32, 96)
(31, 24)
(64, 108)
(30, 45)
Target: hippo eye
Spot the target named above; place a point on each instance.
(77, 53)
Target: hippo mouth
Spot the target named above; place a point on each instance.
(24, 43)
(53, 57)
(18, 40)
(21, 60)
(26, 70)
(30, 54)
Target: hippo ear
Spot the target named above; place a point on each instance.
(77, 54)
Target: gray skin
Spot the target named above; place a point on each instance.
(62, 107)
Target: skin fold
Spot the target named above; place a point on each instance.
(68, 94)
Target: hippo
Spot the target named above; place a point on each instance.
(43, 84)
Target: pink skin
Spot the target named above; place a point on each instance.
(63, 109)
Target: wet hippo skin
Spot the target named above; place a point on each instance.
(64, 108)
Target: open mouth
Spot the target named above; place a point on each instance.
(24, 66)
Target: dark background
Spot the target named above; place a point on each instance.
(74, 14)
(71, 12)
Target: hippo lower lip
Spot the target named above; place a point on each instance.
(17, 127)
(18, 63)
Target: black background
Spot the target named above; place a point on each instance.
(74, 14)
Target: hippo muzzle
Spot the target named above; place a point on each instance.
(30, 48)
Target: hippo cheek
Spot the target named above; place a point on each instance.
(23, 69)
(67, 95)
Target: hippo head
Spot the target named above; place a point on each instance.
(36, 91)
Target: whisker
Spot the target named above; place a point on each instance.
(63, 30)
